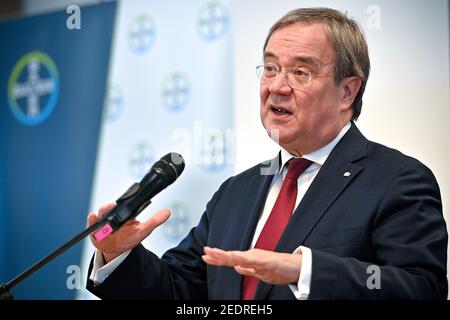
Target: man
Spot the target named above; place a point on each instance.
(341, 217)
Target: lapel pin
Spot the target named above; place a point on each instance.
(347, 174)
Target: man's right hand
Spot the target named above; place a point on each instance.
(128, 236)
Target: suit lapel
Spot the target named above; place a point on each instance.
(335, 175)
(325, 189)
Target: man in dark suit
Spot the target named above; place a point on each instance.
(334, 216)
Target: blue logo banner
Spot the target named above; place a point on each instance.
(52, 88)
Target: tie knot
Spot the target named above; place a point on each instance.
(296, 166)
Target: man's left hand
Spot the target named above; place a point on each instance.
(271, 267)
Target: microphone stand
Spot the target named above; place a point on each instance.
(5, 293)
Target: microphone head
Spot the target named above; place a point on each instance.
(171, 166)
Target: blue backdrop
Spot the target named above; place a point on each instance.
(52, 82)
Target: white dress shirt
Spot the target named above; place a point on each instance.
(100, 271)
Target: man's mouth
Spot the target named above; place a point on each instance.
(279, 111)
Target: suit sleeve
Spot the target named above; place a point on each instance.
(179, 274)
(409, 238)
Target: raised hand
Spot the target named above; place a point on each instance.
(128, 236)
(271, 267)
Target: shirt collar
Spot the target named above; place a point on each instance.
(319, 156)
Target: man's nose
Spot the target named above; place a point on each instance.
(280, 84)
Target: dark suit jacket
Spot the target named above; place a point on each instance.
(388, 212)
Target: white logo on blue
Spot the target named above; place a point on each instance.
(213, 151)
(213, 21)
(176, 91)
(141, 159)
(114, 103)
(177, 226)
(141, 34)
(33, 88)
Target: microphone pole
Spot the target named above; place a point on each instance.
(163, 173)
(5, 293)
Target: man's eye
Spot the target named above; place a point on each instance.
(269, 68)
(300, 73)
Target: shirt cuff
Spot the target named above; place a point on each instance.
(301, 290)
(100, 270)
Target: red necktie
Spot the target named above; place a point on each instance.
(278, 218)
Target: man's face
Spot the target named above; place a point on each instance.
(312, 116)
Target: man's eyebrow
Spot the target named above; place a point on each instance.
(303, 59)
(269, 55)
(308, 60)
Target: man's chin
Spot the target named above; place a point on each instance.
(278, 135)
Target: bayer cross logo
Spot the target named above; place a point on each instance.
(177, 226)
(141, 159)
(213, 21)
(176, 91)
(213, 151)
(141, 34)
(33, 88)
(114, 103)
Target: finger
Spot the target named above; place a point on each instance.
(216, 252)
(232, 258)
(211, 261)
(92, 218)
(104, 209)
(155, 221)
(244, 258)
(254, 258)
(220, 257)
(216, 262)
(245, 271)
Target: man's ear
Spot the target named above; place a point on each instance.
(349, 89)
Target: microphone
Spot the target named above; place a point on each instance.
(163, 173)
